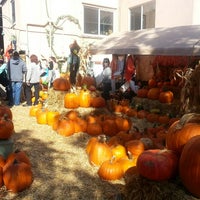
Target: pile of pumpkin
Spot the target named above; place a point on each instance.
(15, 169)
(180, 156)
(123, 154)
(163, 91)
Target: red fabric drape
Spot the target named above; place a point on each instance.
(113, 65)
(129, 68)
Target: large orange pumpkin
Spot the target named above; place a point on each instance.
(180, 132)
(17, 176)
(189, 166)
(157, 165)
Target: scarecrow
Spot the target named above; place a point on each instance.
(74, 61)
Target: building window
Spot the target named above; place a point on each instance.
(13, 11)
(97, 21)
(143, 16)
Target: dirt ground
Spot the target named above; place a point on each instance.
(59, 164)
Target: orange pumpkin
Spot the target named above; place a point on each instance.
(110, 170)
(98, 102)
(18, 155)
(109, 127)
(152, 83)
(94, 129)
(118, 151)
(41, 116)
(142, 93)
(6, 127)
(123, 124)
(91, 142)
(17, 176)
(189, 166)
(153, 93)
(65, 127)
(71, 100)
(135, 147)
(180, 132)
(61, 84)
(5, 110)
(80, 125)
(166, 97)
(51, 117)
(84, 99)
(99, 152)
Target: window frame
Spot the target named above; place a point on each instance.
(143, 22)
(99, 10)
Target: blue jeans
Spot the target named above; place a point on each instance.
(16, 93)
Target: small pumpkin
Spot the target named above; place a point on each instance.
(110, 170)
(109, 127)
(135, 147)
(94, 129)
(51, 117)
(123, 123)
(80, 125)
(65, 127)
(98, 102)
(118, 151)
(84, 98)
(166, 97)
(71, 100)
(153, 93)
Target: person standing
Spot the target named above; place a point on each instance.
(16, 69)
(106, 81)
(33, 80)
(74, 62)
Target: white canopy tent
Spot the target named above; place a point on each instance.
(180, 41)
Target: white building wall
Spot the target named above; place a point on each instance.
(168, 13)
(30, 15)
